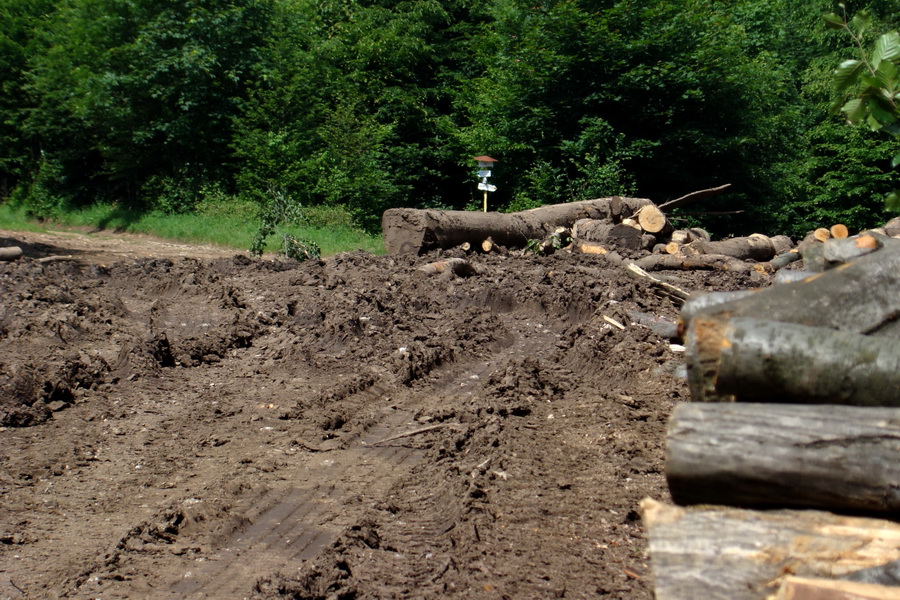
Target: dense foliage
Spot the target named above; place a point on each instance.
(368, 104)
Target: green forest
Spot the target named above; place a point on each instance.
(364, 105)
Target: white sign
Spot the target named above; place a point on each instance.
(487, 187)
(484, 174)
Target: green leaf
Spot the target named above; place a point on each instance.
(847, 74)
(833, 21)
(887, 75)
(861, 22)
(886, 48)
(895, 161)
(855, 110)
(892, 201)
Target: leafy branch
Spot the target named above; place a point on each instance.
(280, 212)
(868, 87)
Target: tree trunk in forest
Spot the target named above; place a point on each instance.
(843, 459)
(862, 296)
(732, 554)
(758, 248)
(748, 359)
(411, 230)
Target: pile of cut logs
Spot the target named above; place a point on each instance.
(787, 463)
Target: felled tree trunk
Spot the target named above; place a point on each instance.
(415, 231)
(719, 262)
(732, 554)
(863, 296)
(801, 588)
(607, 233)
(761, 360)
(757, 247)
(843, 459)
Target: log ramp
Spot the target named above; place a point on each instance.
(786, 465)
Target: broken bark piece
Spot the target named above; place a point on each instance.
(839, 231)
(802, 588)
(662, 327)
(408, 230)
(754, 359)
(758, 248)
(656, 262)
(10, 253)
(862, 296)
(457, 266)
(785, 456)
(734, 554)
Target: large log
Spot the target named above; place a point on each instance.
(733, 554)
(755, 247)
(717, 262)
(408, 230)
(862, 296)
(843, 459)
(607, 233)
(748, 359)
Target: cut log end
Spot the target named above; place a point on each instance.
(651, 219)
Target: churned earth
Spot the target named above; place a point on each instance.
(186, 422)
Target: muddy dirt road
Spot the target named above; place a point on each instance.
(197, 424)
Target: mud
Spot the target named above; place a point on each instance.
(182, 422)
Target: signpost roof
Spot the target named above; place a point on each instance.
(485, 159)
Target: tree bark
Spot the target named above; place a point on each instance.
(746, 359)
(862, 296)
(785, 456)
(801, 588)
(719, 262)
(732, 554)
(408, 230)
(758, 248)
(607, 233)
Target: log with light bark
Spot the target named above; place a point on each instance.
(735, 554)
(608, 234)
(10, 253)
(686, 236)
(804, 588)
(408, 230)
(752, 359)
(718, 262)
(862, 296)
(840, 250)
(791, 276)
(843, 459)
(756, 247)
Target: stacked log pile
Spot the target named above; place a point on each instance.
(787, 463)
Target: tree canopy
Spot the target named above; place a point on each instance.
(371, 104)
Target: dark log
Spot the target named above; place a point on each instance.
(656, 262)
(608, 234)
(10, 253)
(758, 248)
(661, 326)
(862, 296)
(843, 459)
(415, 231)
(746, 359)
(783, 260)
(802, 588)
(733, 554)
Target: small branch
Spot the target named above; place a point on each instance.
(641, 273)
(694, 196)
(407, 434)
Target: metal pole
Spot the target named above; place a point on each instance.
(485, 201)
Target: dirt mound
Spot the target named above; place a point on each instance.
(221, 427)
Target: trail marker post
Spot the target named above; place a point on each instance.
(485, 164)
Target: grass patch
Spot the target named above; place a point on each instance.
(230, 224)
